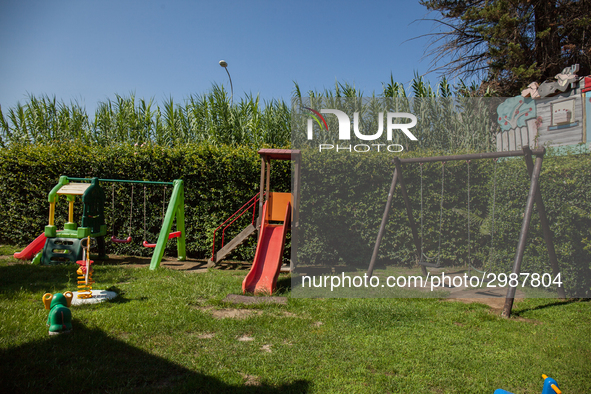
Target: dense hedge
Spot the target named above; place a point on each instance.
(343, 197)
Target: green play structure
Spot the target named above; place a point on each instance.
(66, 245)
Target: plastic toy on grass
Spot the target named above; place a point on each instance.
(85, 294)
(85, 273)
(65, 246)
(550, 387)
(60, 317)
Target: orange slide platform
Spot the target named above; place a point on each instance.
(262, 278)
(34, 247)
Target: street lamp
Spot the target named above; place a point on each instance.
(225, 66)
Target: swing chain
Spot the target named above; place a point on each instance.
(492, 231)
(131, 210)
(145, 212)
(469, 245)
(421, 167)
(423, 256)
(163, 203)
(113, 207)
(441, 211)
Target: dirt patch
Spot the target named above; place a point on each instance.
(248, 300)
(206, 336)
(531, 321)
(251, 380)
(495, 299)
(189, 265)
(123, 335)
(266, 348)
(245, 338)
(232, 313)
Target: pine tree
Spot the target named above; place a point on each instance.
(510, 43)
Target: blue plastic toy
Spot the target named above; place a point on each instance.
(550, 387)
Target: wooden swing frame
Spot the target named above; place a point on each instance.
(534, 196)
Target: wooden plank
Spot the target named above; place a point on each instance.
(505, 146)
(280, 154)
(532, 131)
(548, 131)
(511, 145)
(499, 142)
(75, 189)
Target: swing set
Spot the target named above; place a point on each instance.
(423, 258)
(174, 234)
(534, 196)
(175, 209)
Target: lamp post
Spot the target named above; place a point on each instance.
(225, 66)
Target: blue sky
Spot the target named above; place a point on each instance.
(89, 51)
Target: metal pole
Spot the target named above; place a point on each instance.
(122, 181)
(548, 237)
(383, 225)
(523, 234)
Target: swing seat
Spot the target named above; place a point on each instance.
(121, 241)
(172, 235)
(427, 264)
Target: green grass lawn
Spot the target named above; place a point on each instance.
(166, 332)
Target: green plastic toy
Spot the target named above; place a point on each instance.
(60, 317)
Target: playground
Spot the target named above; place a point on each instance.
(182, 323)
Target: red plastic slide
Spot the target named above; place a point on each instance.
(34, 247)
(262, 277)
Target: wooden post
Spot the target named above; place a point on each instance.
(296, 212)
(383, 225)
(268, 191)
(413, 226)
(523, 234)
(548, 237)
(261, 190)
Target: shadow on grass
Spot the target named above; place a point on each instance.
(88, 360)
(559, 302)
(35, 278)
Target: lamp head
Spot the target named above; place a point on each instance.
(223, 63)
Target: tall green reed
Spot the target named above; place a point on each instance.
(213, 118)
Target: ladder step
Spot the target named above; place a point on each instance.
(234, 243)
